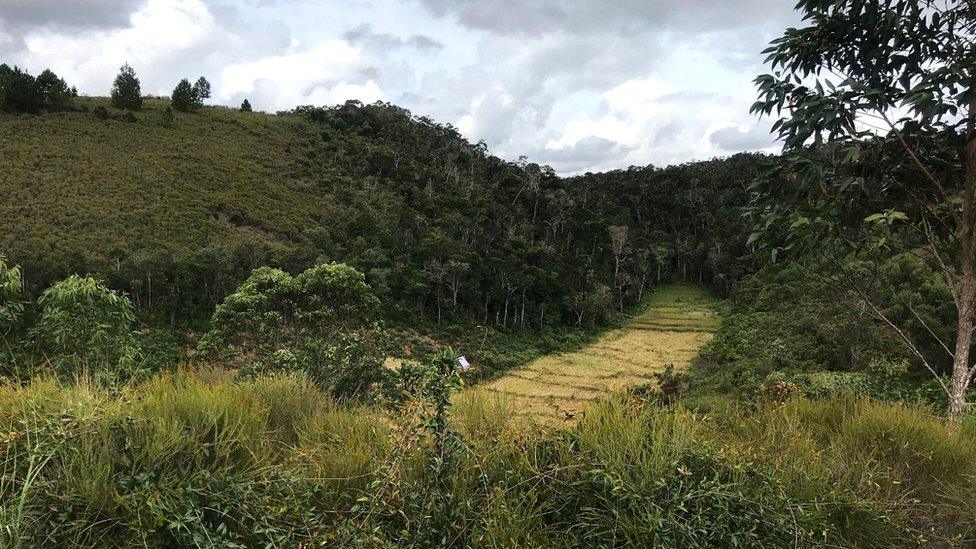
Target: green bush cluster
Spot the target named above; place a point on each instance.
(321, 322)
(792, 323)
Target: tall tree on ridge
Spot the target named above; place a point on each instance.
(126, 91)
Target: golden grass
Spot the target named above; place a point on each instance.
(678, 322)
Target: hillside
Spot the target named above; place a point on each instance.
(84, 191)
(177, 208)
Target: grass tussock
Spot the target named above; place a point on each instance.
(202, 459)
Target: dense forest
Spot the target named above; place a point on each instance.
(227, 328)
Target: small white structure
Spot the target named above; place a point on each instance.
(463, 364)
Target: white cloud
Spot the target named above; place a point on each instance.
(587, 85)
(317, 75)
(157, 32)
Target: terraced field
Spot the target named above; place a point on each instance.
(678, 321)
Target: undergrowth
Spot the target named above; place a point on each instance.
(200, 458)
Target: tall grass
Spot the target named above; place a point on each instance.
(202, 459)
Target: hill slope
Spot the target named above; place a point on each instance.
(83, 191)
(177, 208)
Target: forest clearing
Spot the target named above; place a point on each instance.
(676, 322)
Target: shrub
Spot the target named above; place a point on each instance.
(83, 324)
(320, 322)
(11, 296)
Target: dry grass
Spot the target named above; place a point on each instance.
(678, 321)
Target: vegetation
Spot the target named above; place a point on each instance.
(442, 231)
(183, 97)
(856, 190)
(187, 98)
(21, 92)
(319, 322)
(127, 91)
(242, 331)
(677, 322)
(287, 466)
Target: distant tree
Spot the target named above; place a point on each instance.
(246, 106)
(876, 105)
(54, 91)
(18, 91)
(126, 91)
(201, 90)
(183, 98)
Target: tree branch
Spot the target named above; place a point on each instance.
(884, 318)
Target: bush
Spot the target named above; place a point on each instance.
(11, 296)
(83, 324)
(320, 322)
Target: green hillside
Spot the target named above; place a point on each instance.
(90, 190)
(177, 208)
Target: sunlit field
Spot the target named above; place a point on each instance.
(677, 322)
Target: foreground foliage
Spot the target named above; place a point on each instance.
(202, 459)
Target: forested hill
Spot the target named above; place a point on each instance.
(177, 208)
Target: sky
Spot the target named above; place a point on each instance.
(580, 85)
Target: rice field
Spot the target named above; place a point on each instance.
(678, 321)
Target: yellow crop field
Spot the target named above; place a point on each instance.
(678, 321)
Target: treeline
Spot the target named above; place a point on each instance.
(22, 92)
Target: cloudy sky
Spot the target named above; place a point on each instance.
(581, 85)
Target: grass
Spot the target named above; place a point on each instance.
(75, 185)
(677, 322)
(199, 459)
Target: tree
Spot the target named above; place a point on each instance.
(126, 91)
(201, 90)
(246, 106)
(876, 105)
(18, 91)
(618, 245)
(54, 91)
(183, 98)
